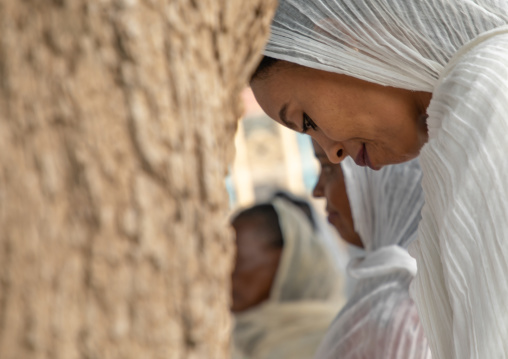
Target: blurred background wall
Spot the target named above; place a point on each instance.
(269, 157)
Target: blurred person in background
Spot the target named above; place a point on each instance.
(300, 203)
(286, 287)
(378, 211)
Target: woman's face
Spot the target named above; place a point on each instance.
(331, 186)
(256, 264)
(374, 124)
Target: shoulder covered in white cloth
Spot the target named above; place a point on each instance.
(380, 319)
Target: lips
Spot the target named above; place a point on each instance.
(332, 215)
(363, 159)
(360, 157)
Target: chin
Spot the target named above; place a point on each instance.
(236, 309)
(399, 160)
(336, 224)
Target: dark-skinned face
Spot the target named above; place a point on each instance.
(375, 125)
(256, 264)
(332, 187)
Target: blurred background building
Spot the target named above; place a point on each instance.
(269, 157)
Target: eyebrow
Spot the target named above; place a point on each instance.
(283, 118)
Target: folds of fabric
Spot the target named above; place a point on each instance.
(304, 299)
(289, 330)
(383, 261)
(307, 270)
(380, 320)
(466, 219)
(399, 43)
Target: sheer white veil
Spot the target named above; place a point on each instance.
(458, 50)
(385, 204)
(380, 316)
(404, 44)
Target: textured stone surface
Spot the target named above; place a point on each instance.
(116, 129)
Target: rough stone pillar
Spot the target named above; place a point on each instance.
(116, 128)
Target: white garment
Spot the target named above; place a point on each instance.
(305, 296)
(380, 320)
(462, 252)
(463, 249)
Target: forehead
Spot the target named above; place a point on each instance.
(253, 231)
(280, 85)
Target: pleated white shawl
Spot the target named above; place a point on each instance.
(305, 297)
(380, 319)
(458, 50)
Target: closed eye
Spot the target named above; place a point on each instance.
(308, 123)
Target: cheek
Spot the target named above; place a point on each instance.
(336, 195)
(393, 144)
(254, 285)
(334, 127)
(246, 291)
(257, 287)
(345, 120)
(400, 146)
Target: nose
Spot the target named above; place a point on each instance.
(319, 190)
(334, 150)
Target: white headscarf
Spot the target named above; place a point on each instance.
(380, 320)
(305, 297)
(458, 50)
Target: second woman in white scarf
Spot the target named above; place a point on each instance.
(379, 320)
